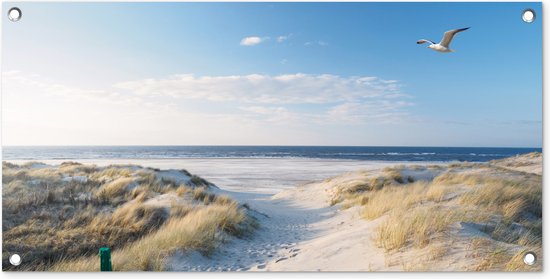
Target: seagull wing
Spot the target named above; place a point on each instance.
(424, 41)
(449, 35)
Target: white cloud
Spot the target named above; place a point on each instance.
(36, 84)
(374, 111)
(252, 109)
(266, 89)
(40, 111)
(379, 111)
(277, 115)
(283, 38)
(252, 41)
(264, 110)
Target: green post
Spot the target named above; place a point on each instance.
(105, 259)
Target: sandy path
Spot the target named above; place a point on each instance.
(299, 232)
(282, 225)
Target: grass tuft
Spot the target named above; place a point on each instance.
(413, 228)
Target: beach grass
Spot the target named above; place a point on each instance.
(416, 227)
(200, 230)
(504, 204)
(57, 217)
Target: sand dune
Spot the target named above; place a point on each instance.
(327, 225)
(57, 217)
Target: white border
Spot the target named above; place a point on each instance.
(369, 275)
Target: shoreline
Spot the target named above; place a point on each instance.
(305, 159)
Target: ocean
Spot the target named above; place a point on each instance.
(421, 154)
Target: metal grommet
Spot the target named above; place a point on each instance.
(14, 14)
(15, 259)
(528, 15)
(529, 258)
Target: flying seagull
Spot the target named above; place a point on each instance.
(443, 46)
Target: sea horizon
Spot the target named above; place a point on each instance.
(364, 153)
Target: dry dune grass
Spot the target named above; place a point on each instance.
(505, 204)
(182, 190)
(516, 262)
(392, 198)
(497, 256)
(201, 229)
(12, 172)
(113, 189)
(415, 227)
(74, 168)
(54, 220)
(355, 191)
(510, 197)
(110, 173)
(127, 222)
(437, 192)
(527, 163)
(454, 178)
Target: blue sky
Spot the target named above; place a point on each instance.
(272, 73)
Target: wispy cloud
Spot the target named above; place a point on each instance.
(289, 98)
(267, 89)
(38, 110)
(214, 105)
(379, 111)
(253, 40)
(25, 82)
(256, 40)
(272, 114)
(376, 111)
(316, 43)
(283, 38)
